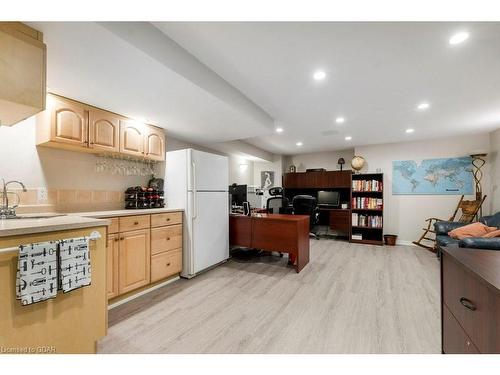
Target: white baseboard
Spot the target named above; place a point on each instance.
(405, 243)
(128, 299)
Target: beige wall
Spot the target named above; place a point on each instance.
(327, 160)
(494, 161)
(404, 215)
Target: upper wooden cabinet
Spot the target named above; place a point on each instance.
(65, 122)
(104, 130)
(77, 126)
(22, 72)
(154, 143)
(317, 180)
(131, 138)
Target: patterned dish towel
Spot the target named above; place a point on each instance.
(37, 272)
(75, 270)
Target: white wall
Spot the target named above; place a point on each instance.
(327, 160)
(240, 170)
(494, 161)
(404, 215)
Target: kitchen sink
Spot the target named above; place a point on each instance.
(32, 217)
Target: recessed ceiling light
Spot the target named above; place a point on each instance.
(410, 130)
(348, 138)
(423, 106)
(340, 120)
(459, 38)
(279, 130)
(319, 75)
(299, 144)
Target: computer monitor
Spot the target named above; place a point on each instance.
(328, 198)
(238, 194)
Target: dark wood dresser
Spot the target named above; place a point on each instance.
(470, 300)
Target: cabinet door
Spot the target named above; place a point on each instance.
(131, 138)
(154, 143)
(134, 260)
(104, 130)
(69, 121)
(112, 249)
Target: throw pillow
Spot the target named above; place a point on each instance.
(495, 233)
(471, 230)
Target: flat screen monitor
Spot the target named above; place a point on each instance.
(238, 194)
(328, 198)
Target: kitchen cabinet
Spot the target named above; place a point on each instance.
(154, 143)
(112, 265)
(64, 122)
(104, 130)
(132, 138)
(72, 125)
(134, 260)
(142, 249)
(22, 72)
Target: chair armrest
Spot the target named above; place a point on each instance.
(481, 243)
(443, 227)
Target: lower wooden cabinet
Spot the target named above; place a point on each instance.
(166, 264)
(142, 249)
(112, 268)
(134, 260)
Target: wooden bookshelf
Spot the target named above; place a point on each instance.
(367, 208)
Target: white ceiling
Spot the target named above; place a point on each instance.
(376, 75)
(89, 62)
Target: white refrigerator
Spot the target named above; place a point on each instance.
(197, 182)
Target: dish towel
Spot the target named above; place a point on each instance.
(75, 270)
(37, 272)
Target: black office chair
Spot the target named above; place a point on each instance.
(277, 203)
(307, 205)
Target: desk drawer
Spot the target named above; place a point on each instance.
(473, 304)
(166, 264)
(340, 220)
(128, 223)
(169, 218)
(455, 340)
(166, 238)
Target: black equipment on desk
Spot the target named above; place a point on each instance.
(247, 210)
(139, 197)
(328, 198)
(238, 194)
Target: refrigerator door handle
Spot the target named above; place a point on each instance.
(195, 213)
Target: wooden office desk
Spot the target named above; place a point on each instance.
(273, 232)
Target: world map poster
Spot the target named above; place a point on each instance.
(433, 176)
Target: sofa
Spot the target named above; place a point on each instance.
(443, 227)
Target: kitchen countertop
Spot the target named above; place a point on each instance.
(50, 223)
(116, 213)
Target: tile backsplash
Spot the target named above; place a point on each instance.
(67, 200)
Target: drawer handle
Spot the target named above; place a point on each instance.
(468, 304)
(122, 238)
(168, 238)
(136, 223)
(168, 219)
(116, 239)
(168, 264)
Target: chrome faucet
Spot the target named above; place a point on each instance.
(7, 212)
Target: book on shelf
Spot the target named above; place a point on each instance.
(367, 203)
(368, 221)
(367, 185)
(357, 236)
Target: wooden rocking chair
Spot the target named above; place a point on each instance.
(469, 210)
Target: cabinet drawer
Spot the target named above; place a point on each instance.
(128, 223)
(113, 227)
(472, 303)
(455, 340)
(166, 264)
(166, 238)
(169, 218)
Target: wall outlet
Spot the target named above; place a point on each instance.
(42, 195)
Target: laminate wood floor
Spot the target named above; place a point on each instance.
(350, 298)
